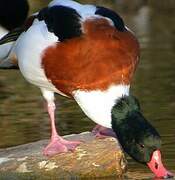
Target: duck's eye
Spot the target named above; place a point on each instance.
(142, 145)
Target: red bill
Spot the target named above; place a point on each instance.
(157, 167)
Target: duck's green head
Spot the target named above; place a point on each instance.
(136, 135)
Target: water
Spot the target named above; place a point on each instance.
(23, 118)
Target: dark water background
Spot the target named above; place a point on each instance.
(23, 118)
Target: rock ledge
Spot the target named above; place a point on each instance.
(93, 158)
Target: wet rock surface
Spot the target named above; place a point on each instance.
(93, 158)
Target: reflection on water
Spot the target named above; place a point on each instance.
(23, 118)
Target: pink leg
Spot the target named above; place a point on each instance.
(102, 132)
(57, 143)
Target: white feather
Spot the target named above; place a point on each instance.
(68, 3)
(29, 48)
(5, 51)
(97, 105)
(85, 11)
(3, 31)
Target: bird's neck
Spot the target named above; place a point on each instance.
(126, 107)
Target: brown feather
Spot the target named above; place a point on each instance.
(101, 57)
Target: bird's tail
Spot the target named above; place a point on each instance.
(8, 58)
(11, 36)
(7, 55)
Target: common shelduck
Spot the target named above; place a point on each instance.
(85, 52)
(13, 14)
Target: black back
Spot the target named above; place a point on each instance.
(63, 21)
